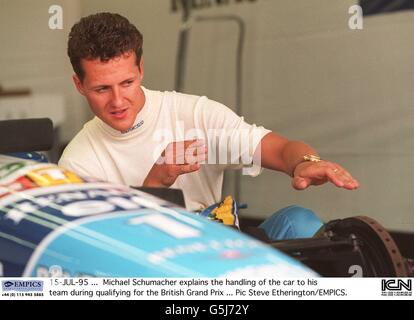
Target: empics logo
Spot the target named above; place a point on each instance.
(396, 287)
(22, 286)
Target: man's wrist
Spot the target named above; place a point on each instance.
(309, 157)
(152, 183)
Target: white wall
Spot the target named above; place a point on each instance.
(34, 56)
(306, 75)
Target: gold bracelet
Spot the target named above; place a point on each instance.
(312, 158)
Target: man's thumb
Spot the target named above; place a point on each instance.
(300, 183)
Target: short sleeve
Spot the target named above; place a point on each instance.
(231, 140)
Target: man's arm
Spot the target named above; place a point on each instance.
(281, 154)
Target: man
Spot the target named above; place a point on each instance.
(168, 139)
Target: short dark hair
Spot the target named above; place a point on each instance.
(105, 36)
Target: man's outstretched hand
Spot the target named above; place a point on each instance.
(317, 173)
(177, 159)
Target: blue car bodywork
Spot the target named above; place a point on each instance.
(55, 223)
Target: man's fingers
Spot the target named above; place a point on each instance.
(194, 143)
(187, 168)
(185, 152)
(300, 183)
(349, 182)
(321, 173)
(341, 178)
(341, 172)
(199, 156)
(334, 177)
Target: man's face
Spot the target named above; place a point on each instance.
(113, 89)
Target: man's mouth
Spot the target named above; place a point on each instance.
(119, 114)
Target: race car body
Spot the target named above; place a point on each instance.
(55, 223)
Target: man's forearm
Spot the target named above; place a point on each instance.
(281, 154)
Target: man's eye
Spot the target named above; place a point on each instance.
(101, 90)
(128, 83)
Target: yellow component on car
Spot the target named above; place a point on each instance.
(224, 211)
(52, 175)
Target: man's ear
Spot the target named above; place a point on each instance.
(78, 84)
(141, 69)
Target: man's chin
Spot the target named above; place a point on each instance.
(121, 127)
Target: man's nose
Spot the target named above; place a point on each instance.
(116, 98)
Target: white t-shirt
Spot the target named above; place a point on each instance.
(102, 152)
